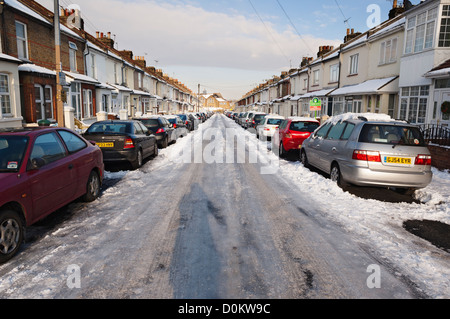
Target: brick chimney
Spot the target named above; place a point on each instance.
(140, 61)
(105, 39)
(324, 49)
(75, 18)
(351, 34)
(127, 54)
(305, 61)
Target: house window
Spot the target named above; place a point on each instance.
(388, 51)
(5, 100)
(105, 103)
(22, 43)
(334, 73)
(43, 101)
(116, 74)
(413, 103)
(354, 64)
(316, 77)
(420, 31)
(93, 67)
(88, 106)
(305, 84)
(444, 33)
(73, 56)
(75, 89)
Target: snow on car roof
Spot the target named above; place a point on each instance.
(301, 118)
(378, 117)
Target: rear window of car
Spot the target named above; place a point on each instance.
(274, 121)
(150, 122)
(183, 117)
(391, 134)
(12, 152)
(304, 126)
(172, 121)
(109, 128)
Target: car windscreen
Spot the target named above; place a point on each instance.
(12, 152)
(274, 121)
(150, 122)
(109, 128)
(259, 117)
(391, 134)
(304, 126)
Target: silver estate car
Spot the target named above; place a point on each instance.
(370, 153)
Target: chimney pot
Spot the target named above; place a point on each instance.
(109, 35)
(97, 33)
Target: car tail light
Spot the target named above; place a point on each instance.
(174, 126)
(186, 123)
(370, 156)
(128, 143)
(423, 160)
(161, 130)
(267, 129)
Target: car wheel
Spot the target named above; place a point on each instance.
(282, 151)
(138, 162)
(11, 234)
(92, 188)
(304, 158)
(155, 150)
(336, 175)
(165, 142)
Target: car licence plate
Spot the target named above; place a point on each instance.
(105, 145)
(398, 160)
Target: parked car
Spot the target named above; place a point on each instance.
(187, 121)
(178, 124)
(268, 126)
(256, 118)
(161, 128)
(195, 119)
(42, 170)
(291, 133)
(245, 120)
(123, 141)
(370, 153)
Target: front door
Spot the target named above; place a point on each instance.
(442, 96)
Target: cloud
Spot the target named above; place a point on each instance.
(184, 34)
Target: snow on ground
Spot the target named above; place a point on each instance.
(379, 224)
(375, 224)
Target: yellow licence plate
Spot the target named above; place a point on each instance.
(105, 145)
(398, 160)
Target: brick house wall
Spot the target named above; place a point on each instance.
(41, 52)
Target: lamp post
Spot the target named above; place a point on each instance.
(59, 102)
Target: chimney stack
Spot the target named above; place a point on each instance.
(140, 61)
(106, 40)
(324, 50)
(351, 34)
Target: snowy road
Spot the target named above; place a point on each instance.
(176, 229)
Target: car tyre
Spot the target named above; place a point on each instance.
(336, 175)
(139, 160)
(92, 188)
(11, 234)
(282, 152)
(165, 142)
(304, 159)
(155, 150)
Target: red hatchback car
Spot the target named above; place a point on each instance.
(292, 132)
(42, 170)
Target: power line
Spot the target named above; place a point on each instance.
(292, 24)
(268, 31)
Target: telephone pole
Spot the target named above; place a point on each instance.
(59, 102)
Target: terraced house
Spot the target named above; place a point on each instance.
(400, 67)
(98, 80)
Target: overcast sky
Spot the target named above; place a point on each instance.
(226, 46)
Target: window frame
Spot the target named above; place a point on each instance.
(354, 64)
(8, 94)
(24, 40)
(73, 56)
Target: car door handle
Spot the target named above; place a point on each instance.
(334, 149)
(71, 166)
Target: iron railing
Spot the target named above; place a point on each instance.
(436, 134)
